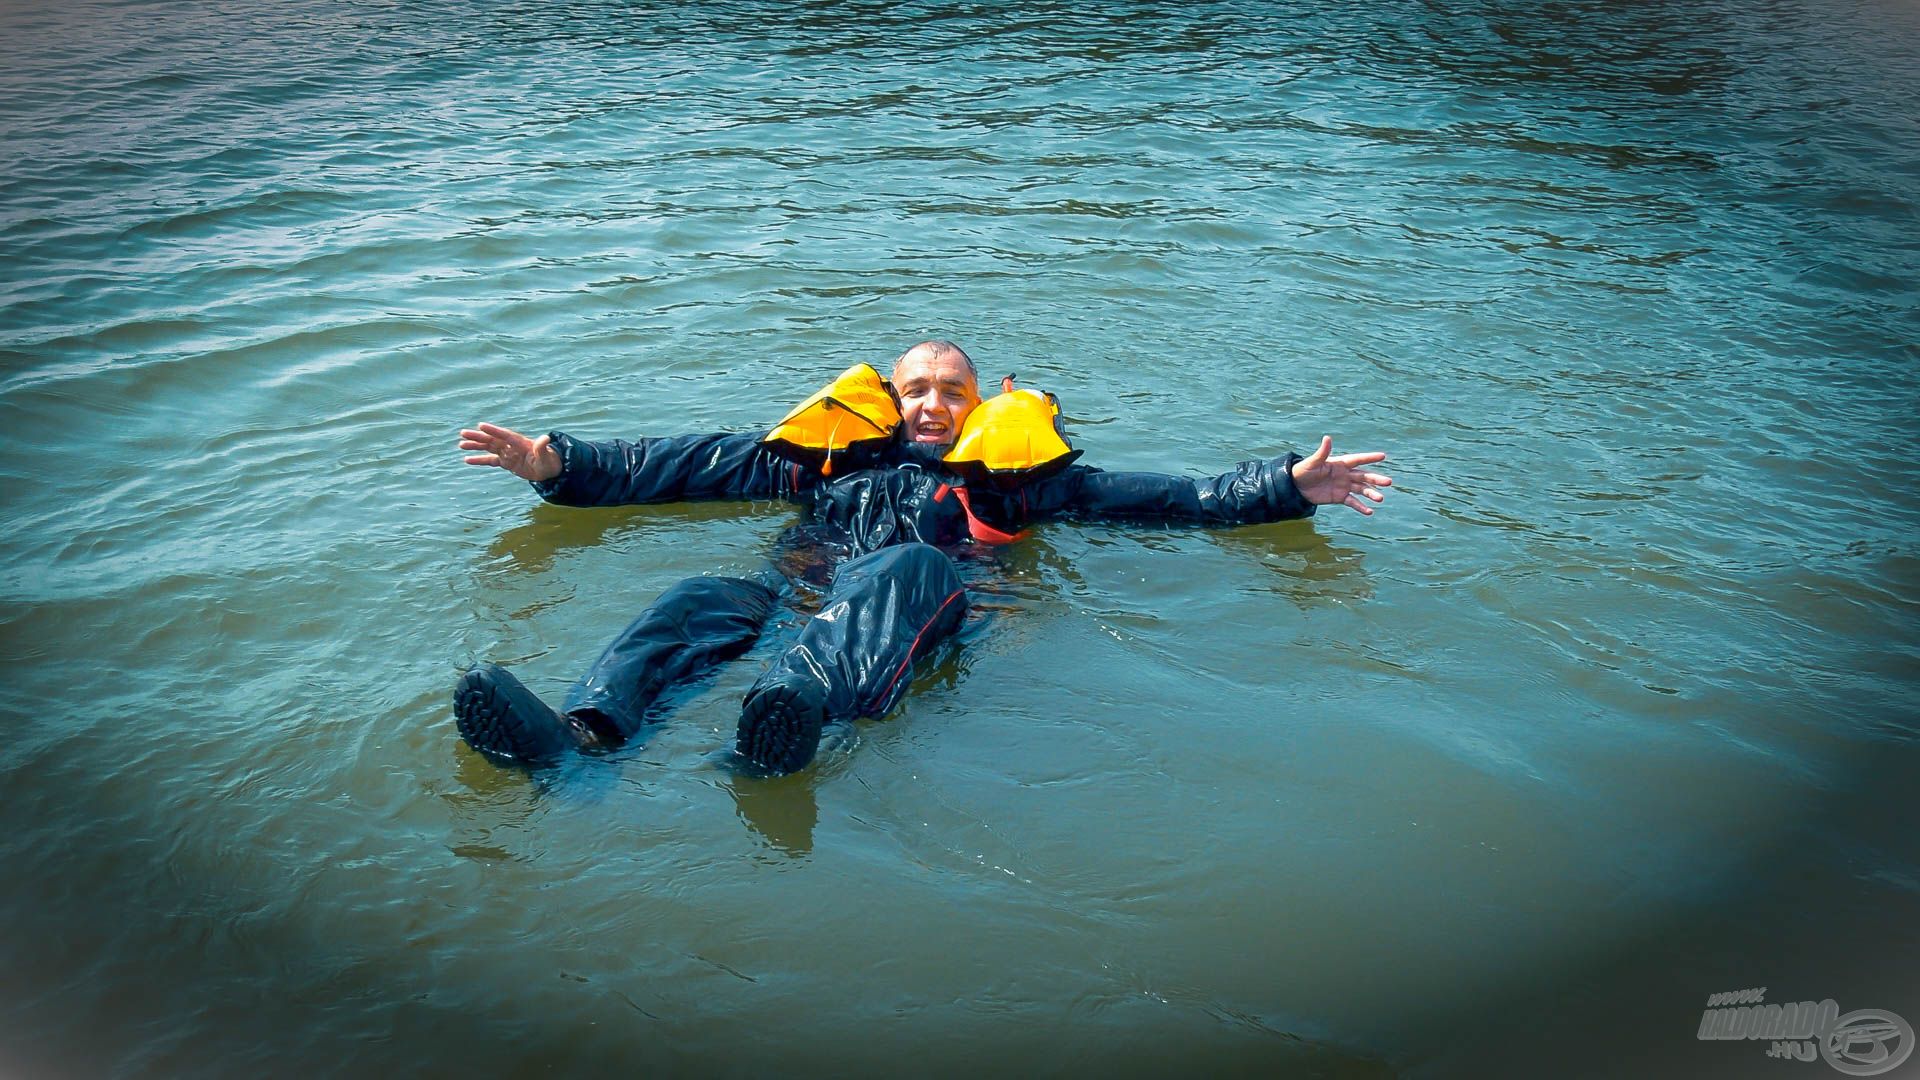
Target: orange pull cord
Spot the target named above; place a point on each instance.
(826, 467)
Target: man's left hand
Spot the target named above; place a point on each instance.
(1325, 480)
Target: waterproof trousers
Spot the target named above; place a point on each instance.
(883, 611)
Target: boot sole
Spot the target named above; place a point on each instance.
(780, 729)
(498, 716)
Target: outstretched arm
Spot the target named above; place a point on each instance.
(1253, 492)
(621, 472)
(1325, 479)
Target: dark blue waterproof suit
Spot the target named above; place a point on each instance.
(896, 598)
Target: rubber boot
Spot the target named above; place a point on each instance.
(507, 722)
(885, 610)
(780, 724)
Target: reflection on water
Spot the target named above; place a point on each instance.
(551, 530)
(1312, 569)
(782, 812)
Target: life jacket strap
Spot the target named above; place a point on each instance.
(976, 528)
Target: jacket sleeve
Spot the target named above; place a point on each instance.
(1254, 492)
(619, 472)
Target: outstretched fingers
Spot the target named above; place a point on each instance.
(482, 440)
(499, 432)
(1325, 479)
(1356, 460)
(495, 443)
(1319, 455)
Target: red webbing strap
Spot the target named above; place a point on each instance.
(982, 531)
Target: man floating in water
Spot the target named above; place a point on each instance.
(896, 473)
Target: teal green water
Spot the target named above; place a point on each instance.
(1612, 708)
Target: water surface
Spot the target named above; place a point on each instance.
(1611, 709)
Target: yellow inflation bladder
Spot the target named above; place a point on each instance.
(1011, 439)
(850, 415)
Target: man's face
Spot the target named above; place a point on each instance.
(936, 394)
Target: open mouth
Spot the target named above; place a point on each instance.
(931, 431)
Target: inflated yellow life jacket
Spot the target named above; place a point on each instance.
(1013, 438)
(857, 411)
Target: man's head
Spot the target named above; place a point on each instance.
(938, 388)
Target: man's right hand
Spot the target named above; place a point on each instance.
(502, 448)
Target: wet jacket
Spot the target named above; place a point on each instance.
(893, 499)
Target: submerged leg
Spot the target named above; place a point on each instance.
(691, 627)
(885, 610)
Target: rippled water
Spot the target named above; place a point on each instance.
(1613, 708)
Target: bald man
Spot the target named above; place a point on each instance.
(894, 600)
